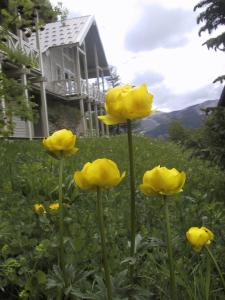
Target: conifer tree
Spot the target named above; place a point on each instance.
(213, 18)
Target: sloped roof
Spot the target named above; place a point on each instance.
(71, 31)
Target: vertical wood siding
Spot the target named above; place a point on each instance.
(54, 59)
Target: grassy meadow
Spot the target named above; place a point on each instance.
(29, 242)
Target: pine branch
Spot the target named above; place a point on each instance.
(217, 43)
(219, 79)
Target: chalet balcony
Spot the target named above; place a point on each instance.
(71, 90)
(14, 44)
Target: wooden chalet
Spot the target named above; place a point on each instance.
(69, 77)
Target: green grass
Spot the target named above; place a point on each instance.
(28, 243)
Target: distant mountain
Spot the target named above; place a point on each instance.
(156, 125)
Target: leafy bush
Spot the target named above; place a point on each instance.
(207, 142)
(177, 133)
(214, 132)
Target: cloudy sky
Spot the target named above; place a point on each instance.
(157, 42)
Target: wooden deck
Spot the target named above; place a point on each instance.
(69, 88)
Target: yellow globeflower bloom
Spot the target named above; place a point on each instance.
(102, 173)
(39, 208)
(198, 237)
(61, 142)
(54, 206)
(162, 181)
(127, 102)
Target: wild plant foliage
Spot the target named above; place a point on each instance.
(29, 238)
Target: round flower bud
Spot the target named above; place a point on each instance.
(199, 237)
(102, 173)
(162, 181)
(127, 102)
(61, 142)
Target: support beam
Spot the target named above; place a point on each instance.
(30, 128)
(44, 108)
(107, 129)
(3, 102)
(90, 117)
(93, 70)
(29, 124)
(63, 63)
(82, 51)
(82, 111)
(96, 66)
(96, 118)
(87, 90)
(103, 82)
(97, 78)
(102, 124)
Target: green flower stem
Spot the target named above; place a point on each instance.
(216, 265)
(103, 243)
(208, 277)
(61, 224)
(169, 251)
(132, 194)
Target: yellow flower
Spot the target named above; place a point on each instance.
(162, 181)
(39, 208)
(102, 173)
(127, 102)
(54, 206)
(61, 141)
(199, 237)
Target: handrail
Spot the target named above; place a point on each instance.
(14, 44)
(68, 87)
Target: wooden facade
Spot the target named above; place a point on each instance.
(71, 71)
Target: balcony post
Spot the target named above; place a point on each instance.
(44, 108)
(3, 101)
(96, 66)
(102, 124)
(24, 82)
(87, 89)
(105, 127)
(96, 97)
(82, 111)
(96, 118)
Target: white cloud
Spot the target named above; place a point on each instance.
(153, 78)
(166, 99)
(160, 27)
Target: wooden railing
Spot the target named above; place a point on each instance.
(70, 88)
(14, 44)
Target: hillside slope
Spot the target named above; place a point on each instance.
(190, 117)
